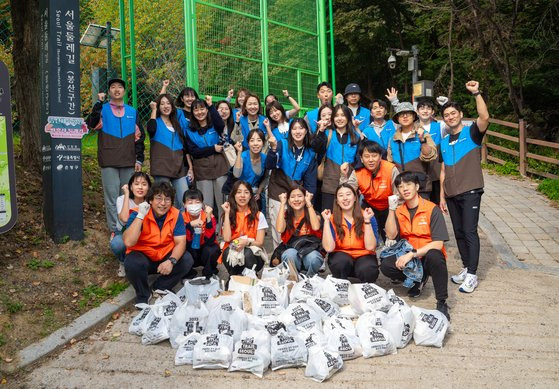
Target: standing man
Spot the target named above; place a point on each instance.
(324, 93)
(462, 182)
(362, 115)
(155, 239)
(120, 145)
(422, 224)
(379, 129)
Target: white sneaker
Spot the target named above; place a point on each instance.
(469, 284)
(460, 277)
(121, 272)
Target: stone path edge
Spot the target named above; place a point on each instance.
(60, 337)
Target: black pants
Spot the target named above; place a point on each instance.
(435, 192)
(250, 261)
(343, 265)
(434, 265)
(207, 257)
(138, 266)
(464, 213)
(327, 201)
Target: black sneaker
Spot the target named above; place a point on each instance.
(415, 290)
(443, 308)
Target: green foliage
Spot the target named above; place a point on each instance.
(93, 295)
(550, 188)
(10, 305)
(3, 340)
(36, 264)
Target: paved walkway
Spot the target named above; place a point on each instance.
(504, 334)
(526, 220)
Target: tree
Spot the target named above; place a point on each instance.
(27, 77)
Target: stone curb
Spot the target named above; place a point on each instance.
(85, 322)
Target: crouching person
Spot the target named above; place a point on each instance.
(200, 232)
(155, 240)
(422, 224)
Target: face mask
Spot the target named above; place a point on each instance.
(194, 209)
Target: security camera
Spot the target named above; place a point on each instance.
(392, 61)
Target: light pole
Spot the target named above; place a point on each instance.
(413, 61)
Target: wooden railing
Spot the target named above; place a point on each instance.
(522, 150)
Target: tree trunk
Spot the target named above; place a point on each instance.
(27, 77)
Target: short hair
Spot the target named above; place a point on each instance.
(165, 188)
(244, 106)
(186, 91)
(193, 194)
(133, 178)
(370, 146)
(451, 104)
(406, 177)
(258, 132)
(275, 104)
(324, 83)
(426, 102)
(380, 102)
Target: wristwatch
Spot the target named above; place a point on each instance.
(476, 93)
(173, 260)
(414, 251)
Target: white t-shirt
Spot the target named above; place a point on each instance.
(262, 223)
(405, 135)
(119, 205)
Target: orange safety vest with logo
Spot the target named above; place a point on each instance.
(156, 243)
(242, 229)
(187, 219)
(376, 189)
(305, 230)
(351, 244)
(418, 230)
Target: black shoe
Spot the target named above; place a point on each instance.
(415, 290)
(191, 274)
(395, 282)
(442, 307)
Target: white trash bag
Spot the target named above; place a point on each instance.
(139, 323)
(336, 289)
(188, 318)
(198, 290)
(280, 273)
(228, 300)
(304, 289)
(366, 297)
(324, 307)
(332, 324)
(267, 300)
(345, 344)
(300, 316)
(430, 327)
(347, 312)
(185, 349)
(322, 364)
(212, 351)
(158, 328)
(252, 353)
(376, 341)
(268, 323)
(223, 321)
(288, 350)
(400, 323)
(313, 337)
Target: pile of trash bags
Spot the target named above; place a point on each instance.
(284, 320)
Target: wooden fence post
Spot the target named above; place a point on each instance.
(522, 147)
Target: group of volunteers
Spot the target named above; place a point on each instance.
(332, 187)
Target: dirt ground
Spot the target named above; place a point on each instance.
(44, 285)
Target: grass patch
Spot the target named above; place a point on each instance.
(11, 306)
(36, 264)
(49, 321)
(550, 188)
(3, 340)
(508, 169)
(93, 294)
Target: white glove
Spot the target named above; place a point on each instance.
(389, 242)
(143, 210)
(393, 202)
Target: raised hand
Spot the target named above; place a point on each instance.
(218, 148)
(266, 123)
(143, 210)
(239, 147)
(368, 213)
(308, 199)
(391, 94)
(472, 86)
(344, 169)
(273, 143)
(238, 116)
(209, 100)
(153, 105)
(226, 207)
(166, 83)
(285, 93)
(125, 191)
(283, 198)
(326, 214)
(209, 210)
(230, 93)
(393, 202)
(101, 96)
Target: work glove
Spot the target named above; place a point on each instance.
(143, 210)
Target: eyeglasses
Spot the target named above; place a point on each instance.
(161, 199)
(406, 114)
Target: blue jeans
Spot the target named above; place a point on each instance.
(180, 185)
(117, 246)
(310, 262)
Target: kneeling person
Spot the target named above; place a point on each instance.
(155, 240)
(200, 226)
(422, 224)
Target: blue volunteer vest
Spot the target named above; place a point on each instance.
(340, 153)
(364, 115)
(410, 149)
(386, 133)
(452, 154)
(278, 135)
(166, 137)
(118, 127)
(208, 139)
(248, 174)
(291, 167)
(312, 117)
(245, 128)
(183, 120)
(435, 132)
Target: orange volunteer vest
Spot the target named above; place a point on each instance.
(351, 244)
(376, 189)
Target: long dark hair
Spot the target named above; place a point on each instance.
(133, 178)
(172, 116)
(252, 205)
(290, 212)
(354, 139)
(275, 104)
(194, 123)
(230, 123)
(337, 214)
(186, 91)
(306, 139)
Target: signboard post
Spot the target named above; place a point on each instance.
(8, 206)
(62, 126)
